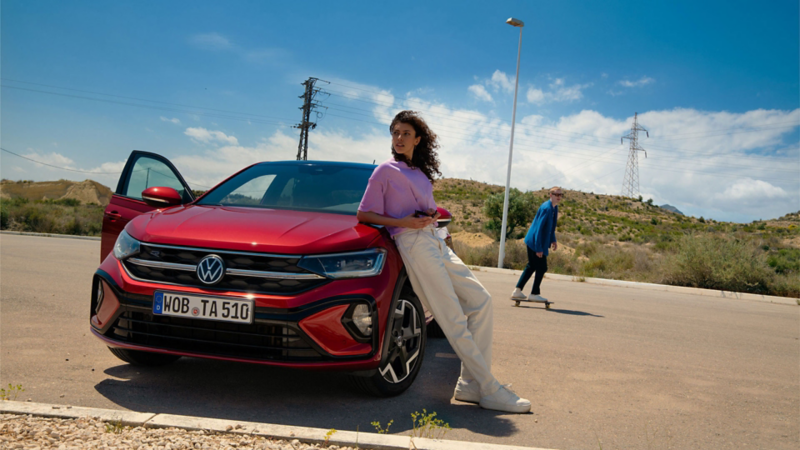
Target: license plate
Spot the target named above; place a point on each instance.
(199, 307)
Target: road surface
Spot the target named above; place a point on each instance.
(606, 366)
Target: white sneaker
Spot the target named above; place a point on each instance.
(536, 298)
(518, 295)
(468, 392)
(505, 400)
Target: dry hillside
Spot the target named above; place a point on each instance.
(87, 191)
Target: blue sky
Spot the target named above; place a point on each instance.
(214, 86)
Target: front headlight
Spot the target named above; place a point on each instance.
(125, 246)
(366, 263)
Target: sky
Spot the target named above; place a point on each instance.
(215, 86)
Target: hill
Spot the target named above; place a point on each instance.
(590, 214)
(86, 192)
(615, 237)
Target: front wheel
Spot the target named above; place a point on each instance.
(140, 358)
(402, 359)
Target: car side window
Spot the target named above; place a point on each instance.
(148, 172)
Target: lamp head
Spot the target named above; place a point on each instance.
(515, 22)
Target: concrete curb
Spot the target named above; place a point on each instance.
(652, 286)
(372, 441)
(67, 236)
(600, 281)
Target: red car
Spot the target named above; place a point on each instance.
(271, 266)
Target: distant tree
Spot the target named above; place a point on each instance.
(650, 201)
(521, 209)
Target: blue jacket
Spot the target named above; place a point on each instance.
(542, 232)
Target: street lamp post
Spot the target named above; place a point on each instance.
(516, 23)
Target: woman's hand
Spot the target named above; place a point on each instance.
(410, 221)
(434, 215)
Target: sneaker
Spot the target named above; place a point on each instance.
(468, 392)
(505, 400)
(518, 295)
(536, 298)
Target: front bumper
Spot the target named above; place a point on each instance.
(298, 331)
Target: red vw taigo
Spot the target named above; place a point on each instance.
(269, 267)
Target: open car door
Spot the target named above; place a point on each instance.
(142, 171)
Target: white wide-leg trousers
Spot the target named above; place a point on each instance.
(460, 304)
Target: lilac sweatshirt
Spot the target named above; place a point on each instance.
(396, 190)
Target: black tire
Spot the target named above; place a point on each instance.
(404, 353)
(140, 358)
(434, 330)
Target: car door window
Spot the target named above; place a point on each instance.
(148, 172)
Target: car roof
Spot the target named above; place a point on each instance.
(320, 163)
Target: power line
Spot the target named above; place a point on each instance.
(139, 99)
(160, 108)
(58, 167)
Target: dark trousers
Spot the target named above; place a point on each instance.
(537, 265)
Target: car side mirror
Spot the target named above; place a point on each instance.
(161, 196)
(445, 218)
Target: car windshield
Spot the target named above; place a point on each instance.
(331, 188)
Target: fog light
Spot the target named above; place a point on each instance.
(362, 319)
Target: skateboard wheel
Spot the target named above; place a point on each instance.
(517, 303)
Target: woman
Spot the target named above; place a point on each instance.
(400, 196)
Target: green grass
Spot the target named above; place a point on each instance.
(699, 260)
(66, 216)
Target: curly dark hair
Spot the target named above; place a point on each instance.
(425, 156)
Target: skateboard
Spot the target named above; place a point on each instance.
(547, 303)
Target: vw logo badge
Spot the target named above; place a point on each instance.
(211, 269)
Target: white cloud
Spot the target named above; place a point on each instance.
(174, 120)
(203, 135)
(211, 41)
(217, 42)
(640, 82)
(558, 92)
(748, 190)
(501, 81)
(52, 158)
(535, 96)
(480, 92)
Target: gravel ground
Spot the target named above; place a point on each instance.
(28, 432)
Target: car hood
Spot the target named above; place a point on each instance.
(253, 230)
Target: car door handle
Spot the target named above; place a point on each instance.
(113, 215)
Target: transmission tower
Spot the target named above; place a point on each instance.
(630, 184)
(309, 105)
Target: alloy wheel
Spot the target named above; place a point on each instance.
(405, 343)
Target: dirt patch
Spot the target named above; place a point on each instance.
(89, 192)
(472, 239)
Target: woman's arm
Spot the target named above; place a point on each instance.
(406, 222)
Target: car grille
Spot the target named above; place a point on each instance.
(245, 272)
(274, 341)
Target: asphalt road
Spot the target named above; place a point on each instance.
(607, 367)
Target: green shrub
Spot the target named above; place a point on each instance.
(713, 262)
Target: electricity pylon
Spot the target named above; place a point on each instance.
(630, 184)
(308, 105)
